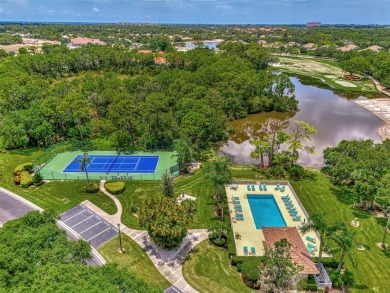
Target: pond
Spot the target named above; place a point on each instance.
(335, 115)
(209, 44)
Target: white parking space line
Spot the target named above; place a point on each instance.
(74, 215)
(82, 221)
(99, 234)
(90, 227)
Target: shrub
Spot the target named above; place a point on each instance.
(133, 209)
(250, 271)
(220, 243)
(37, 179)
(277, 172)
(115, 187)
(91, 188)
(296, 172)
(190, 206)
(25, 179)
(20, 168)
(17, 180)
(28, 168)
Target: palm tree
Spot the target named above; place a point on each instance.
(183, 153)
(326, 230)
(84, 162)
(168, 186)
(218, 171)
(262, 149)
(345, 243)
(387, 212)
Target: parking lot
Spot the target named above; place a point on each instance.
(11, 208)
(89, 225)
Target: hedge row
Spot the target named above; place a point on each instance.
(115, 187)
(25, 179)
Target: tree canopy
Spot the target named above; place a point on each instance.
(35, 256)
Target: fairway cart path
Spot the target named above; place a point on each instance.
(168, 263)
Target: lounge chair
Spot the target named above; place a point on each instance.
(312, 246)
(282, 189)
(238, 205)
(285, 196)
(292, 209)
(239, 216)
(297, 218)
(238, 209)
(236, 201)
(253, 251)
(248, 187)
(286, 199)
(310, 250)
(277, 187)
(236, 198)
(265, 187)
(253, 188)
(311, 239)
(260, 188)
(245, 249)
(293, 213)
(288, 203)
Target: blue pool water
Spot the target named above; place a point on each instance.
(265, 211)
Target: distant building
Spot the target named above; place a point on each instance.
(374, 48)
(313, 24)
(79, 41)
(348, 48)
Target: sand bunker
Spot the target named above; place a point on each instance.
(381, 109)
(345, 83)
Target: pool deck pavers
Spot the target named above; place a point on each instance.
(250, 235)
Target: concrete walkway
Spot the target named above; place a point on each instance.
(169, 263)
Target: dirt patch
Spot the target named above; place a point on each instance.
(381, 109)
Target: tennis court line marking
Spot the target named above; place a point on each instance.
(99, 233)
(90, 227)
(82, 221)
(136, 165)
(74, 215)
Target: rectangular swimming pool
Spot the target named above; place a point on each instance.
(265, 211)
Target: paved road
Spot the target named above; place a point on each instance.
(11, 208)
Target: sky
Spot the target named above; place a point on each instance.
(199, 11)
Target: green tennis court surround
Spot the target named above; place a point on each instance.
(109, 165)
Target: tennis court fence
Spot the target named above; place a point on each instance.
(54, 175)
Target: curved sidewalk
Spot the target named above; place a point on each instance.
(168, 263)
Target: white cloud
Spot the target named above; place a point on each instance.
(1, 10)
(95, 9)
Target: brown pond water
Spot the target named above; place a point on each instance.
(335, 115)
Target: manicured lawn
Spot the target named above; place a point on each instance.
(208, 270)
(373, 266)
(195, 185)
(134, 260)
(56, 195)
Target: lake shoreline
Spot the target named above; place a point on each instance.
(381, 109)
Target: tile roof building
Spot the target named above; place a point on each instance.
(298, 250)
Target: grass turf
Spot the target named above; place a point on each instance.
(207, 269)
(373, 266)
(58, 196)
(134, 260)
(194, 184)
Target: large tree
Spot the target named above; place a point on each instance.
(84, 163)
(183, 152)
(165, 220)
(278, 272)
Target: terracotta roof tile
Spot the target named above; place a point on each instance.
(298, 250)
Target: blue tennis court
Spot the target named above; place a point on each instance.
(115, 164)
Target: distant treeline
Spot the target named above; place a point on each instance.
(104, 92)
